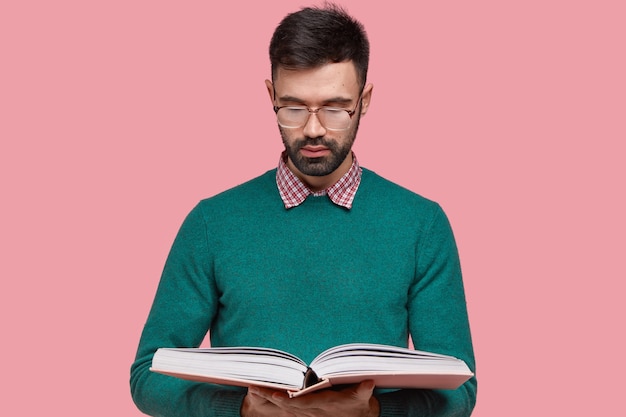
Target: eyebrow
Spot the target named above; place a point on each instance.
(337, 100)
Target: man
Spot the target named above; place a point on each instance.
(312, 254)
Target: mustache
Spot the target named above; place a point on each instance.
(320, 140)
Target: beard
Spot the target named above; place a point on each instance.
(316, 167)
(322, 166)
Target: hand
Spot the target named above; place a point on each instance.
(352, 401)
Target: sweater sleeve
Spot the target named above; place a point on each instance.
(438, 322)
(181, 314)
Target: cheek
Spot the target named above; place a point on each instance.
(291, 140)
(286, 137)
(342, 139)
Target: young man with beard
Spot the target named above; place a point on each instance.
(312, 254)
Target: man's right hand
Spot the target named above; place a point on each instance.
(352, 401)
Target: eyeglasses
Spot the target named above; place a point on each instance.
(332, 118)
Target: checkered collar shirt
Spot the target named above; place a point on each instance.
(293, 191)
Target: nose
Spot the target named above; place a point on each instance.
(313, 128)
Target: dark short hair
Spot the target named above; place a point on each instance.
(314, 36)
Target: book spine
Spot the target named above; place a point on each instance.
(310, 378)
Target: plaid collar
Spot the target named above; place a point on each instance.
(293, 191)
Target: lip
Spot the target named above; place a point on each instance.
(314, 151)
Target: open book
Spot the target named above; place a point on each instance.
(387, 366)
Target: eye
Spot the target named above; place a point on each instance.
(294, 110)
(333, 110)
(334, 113)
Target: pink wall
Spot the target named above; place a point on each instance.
(116, 118)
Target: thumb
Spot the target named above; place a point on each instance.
(365, 389)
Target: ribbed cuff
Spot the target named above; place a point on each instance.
(391, 407)
(227, 402)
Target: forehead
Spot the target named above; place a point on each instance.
(330, 80)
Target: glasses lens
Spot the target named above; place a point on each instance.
(292, 116)
(330, 117)
(333, 118)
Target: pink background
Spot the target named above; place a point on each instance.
(116, 117)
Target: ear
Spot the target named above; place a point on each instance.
(270, 90)
(366, 98)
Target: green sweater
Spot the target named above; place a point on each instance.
(303, 280)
